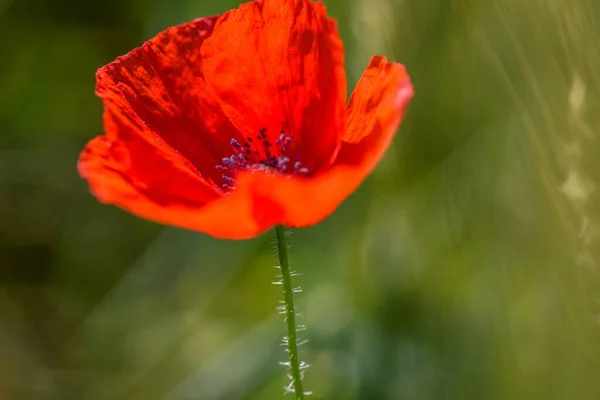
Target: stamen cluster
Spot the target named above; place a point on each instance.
(259, 153)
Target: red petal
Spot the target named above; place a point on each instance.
(131, 168)
(162, 126)
(141, 179)
(163, 85)
(278, 64)
(373, 114)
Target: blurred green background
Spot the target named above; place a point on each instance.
(466, 267)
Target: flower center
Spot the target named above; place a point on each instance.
(258, 153)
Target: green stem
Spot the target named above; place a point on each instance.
(290, 314)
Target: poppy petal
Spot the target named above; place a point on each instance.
(373, 114)
(279, 65)
(162, 83)
(143, 180)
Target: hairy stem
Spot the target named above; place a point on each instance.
(290, 314)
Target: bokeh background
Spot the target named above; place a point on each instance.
(466, 267)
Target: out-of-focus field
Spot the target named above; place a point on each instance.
(466, 267)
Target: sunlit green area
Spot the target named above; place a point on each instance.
(466, 267)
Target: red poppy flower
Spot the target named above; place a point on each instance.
(229, 125)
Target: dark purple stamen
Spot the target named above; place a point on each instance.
(262, 155)
(228, 178)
